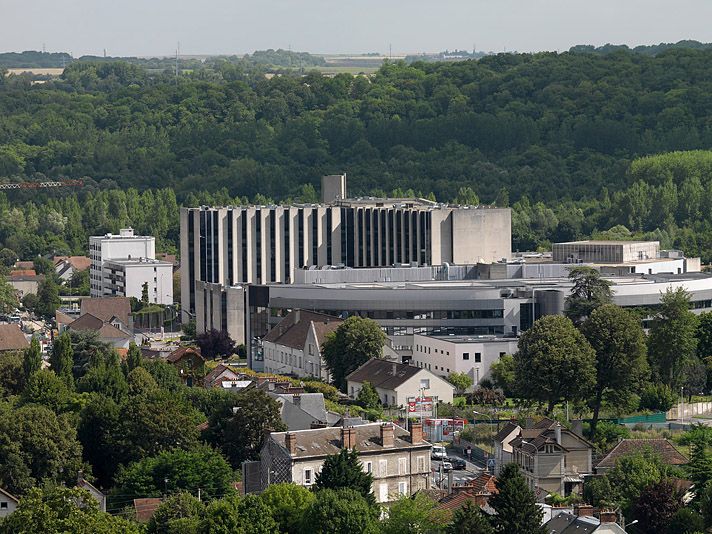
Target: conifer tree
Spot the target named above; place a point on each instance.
(344, 471)
(62, 358)
(469, 519)
(33, 359)
(515, 504)
(133, 358)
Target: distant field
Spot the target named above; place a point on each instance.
(43, 72)
(337, 69)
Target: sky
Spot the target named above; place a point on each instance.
(154, 27)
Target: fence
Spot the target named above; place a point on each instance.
(689, 409)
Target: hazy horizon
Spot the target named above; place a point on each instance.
(217, 27)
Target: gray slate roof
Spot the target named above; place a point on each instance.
(383, 374)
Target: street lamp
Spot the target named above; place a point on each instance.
(536, 478)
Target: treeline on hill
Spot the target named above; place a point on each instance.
(554, 134)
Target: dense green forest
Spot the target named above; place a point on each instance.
(563, 138)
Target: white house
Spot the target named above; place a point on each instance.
(473, 355)
(8, 503)
(294, 346)
(396, 383)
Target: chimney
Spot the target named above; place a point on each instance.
(557, 432)
(577, 427)
(608, 516)
(290, 441)
(387, 435)
(395, 369)
(297, 315)
(348, 437)
(583, 510)
(416, 433)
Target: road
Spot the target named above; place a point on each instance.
(459, 476)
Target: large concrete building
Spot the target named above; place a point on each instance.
(237, 245)
(122, 264)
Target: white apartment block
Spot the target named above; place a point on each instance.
(122, 264)
(472, 355)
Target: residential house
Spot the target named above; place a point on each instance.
(114, 310)
(8, 503)
(398, 460)
(66, 266)
(96, 493)
(107, 332)
(25, 282)
(189, 362)
(301, 411)
(219, 374)
(582, 521)
(477, 491)
(553, 459)
(293, 346)
(396, 383)
(503, 445)
(12, 338)
(662, 447)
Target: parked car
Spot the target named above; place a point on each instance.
(457, 463)
(438, 453)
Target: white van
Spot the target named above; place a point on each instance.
(438, 453)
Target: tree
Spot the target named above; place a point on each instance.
(343, 470)
(368, 396)
(699, 469)
(461, 381)
(12, 376)
(32, 361)
(133, 358)
(200, 467)
(58, 509)
(62, 358)
(352, 344)
(215, 343)
(418, 513)
(144, 295)
(469, 519)
(656, 506)
(686, 521)
(48, 298)
(343, 510)
(39, 445)
(503, 374)
(657, 397)
(554, 362)
(47, 389)
(141, 382)
(588, 293)
(672, 340)
(88, 350)
(619, 344)
(288, 504)
(515, 504)
(632, 474)
(256, 516)
(97, 423)
(221, 517)
(238, 427)
(8, 296)
(466, 196)
(165, 375)
(105, 377)
(177, 512)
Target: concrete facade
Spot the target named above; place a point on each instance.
(605, 251)
(462, 354)
(125, 278)
(267, 244)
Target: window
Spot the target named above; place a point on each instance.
(502, 354)
(383, 493)
(425, 383)
(421, 464)
(478, 357)
(369, 467)
(311, 349)
(402, 488)
(3, 505)
(465, 355)
(308, 475)
(402, 466)
(383, 468)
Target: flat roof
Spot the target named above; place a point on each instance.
(605, 242)
(472, 339)
(137, 261)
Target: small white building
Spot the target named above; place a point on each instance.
(473, 355)
(122, 264)
(8, 503)
(396, 383)
(125, 277)
(293, 347)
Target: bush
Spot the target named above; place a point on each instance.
(486, 396)
(657, 397)
(608, 434)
